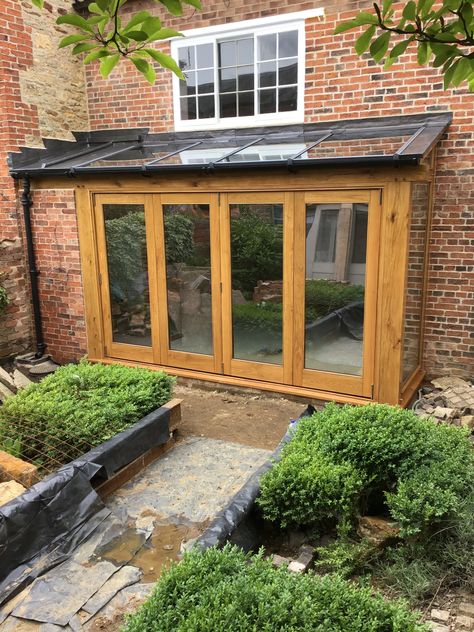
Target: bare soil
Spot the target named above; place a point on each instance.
(250, 418)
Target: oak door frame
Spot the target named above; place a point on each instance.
(325, 380)
(169, 357)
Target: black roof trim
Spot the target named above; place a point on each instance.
(418, 134)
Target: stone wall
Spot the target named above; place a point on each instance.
(42, 94)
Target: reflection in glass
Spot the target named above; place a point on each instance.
(336, 244)
(197, 62)
(125, 237)
(188, 277)
(415, 278)
(257, 281)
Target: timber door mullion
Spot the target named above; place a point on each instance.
(226, 283)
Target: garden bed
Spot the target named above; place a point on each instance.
(403, 479)
(130, 412)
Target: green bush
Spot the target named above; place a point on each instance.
(77, 407)
(257, 250)
(343, 458)
(322, 298)
(179, 237)
(225, 590)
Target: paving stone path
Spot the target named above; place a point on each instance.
(150, 520)
(454, 615)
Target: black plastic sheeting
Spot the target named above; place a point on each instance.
(234, 516)
(348, 319)
(41, 528)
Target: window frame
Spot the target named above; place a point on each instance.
(254, 28)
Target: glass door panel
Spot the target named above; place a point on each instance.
(188, 280)
(125, 283)
(336, 287)
(255, 293)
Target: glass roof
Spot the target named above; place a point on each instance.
(359, 141)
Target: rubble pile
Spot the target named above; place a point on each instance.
(450, 400)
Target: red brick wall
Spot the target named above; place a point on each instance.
(16, 121)
(60, 283)
(339, 85)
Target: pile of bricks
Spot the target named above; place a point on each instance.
(457, 616)
(451, 401)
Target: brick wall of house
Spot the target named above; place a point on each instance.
(42, 94)
(340, 85)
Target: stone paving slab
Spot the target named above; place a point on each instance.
(187, 486)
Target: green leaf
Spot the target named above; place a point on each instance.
(423, 53)
(97, 54)
(400, 48)
(345, 26)
(137, 36)
(409, 11)
(151, 25)
(442, 53)
(38, 3)
(72, 39)
(95, 8)
(108, 64)
(103, 4)
(83, 48)
(463, 70)
(379, 46)
(173, 6)
(145, 68)
(165, 60)
(75, 20)
(164, 34)
(448, 74)
(194, 3)
(363, 42)
(138, 18)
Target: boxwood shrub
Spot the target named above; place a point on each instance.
(226, 590)
(78, 406)
(345, 458)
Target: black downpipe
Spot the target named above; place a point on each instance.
(34, 272)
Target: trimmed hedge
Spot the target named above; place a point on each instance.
(226, 590)
(342, 458)
(322, 298)
(79, 406)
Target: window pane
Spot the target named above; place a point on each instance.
(205, 56)
(288, 44)
(267, 74)
(227, 54)
(334, 289)
(205, 80)
(287, 72)
(246, 104)
(228, 80)
(186, 58)
(287, 99)
(359, 245)
(206, 107)
(267, 47)
(125, 236)
(415, 279)
(257, 282)
(188, 87)
(246, 78)
(267, 99)
(188, 108)
(188, 276)
(228, 105)
(245, 51)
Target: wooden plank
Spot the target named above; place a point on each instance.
(411, 386)
(90, 272)
(265, 179)
(135, 467)
(391, 291)
(288, 286)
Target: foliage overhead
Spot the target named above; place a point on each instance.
(225, 589)
(78, 406)
(443, 33)
(106, 38)
(343, 460)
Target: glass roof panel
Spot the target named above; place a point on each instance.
(385, 146)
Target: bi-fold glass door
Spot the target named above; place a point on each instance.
(269, 286)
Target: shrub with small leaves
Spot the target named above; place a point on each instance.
(219, 590)
(343, 457)
(79, 406)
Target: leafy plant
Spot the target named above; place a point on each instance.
(4, 300)
(77, 407)
(225, 589)
(443, 33)
(13, 446)
(257, 250)
(342, 458)
(105, 38)
(179, 237)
